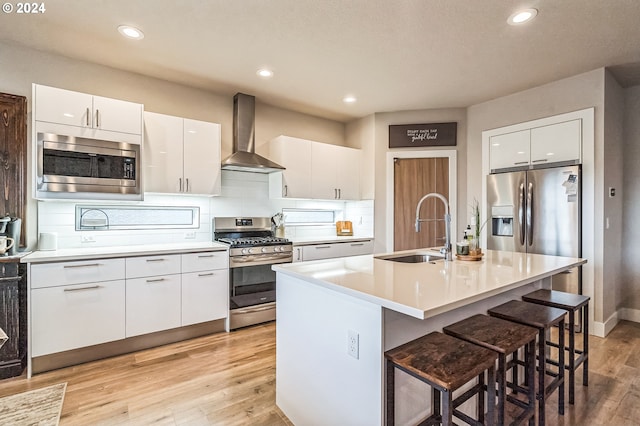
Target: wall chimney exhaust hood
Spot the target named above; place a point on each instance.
(244, 158)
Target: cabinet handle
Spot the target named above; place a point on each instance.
(206, 255)
(522, 162)
(88, 118)
(286, 191)
(206, 275)
(357, 244)
(156, 280)
(86, 265)
(93, 287)
(322, 247)
(298, 254)
(162, 259)
(186, 181)
(540, 161)
(339, 193)
(98, 118)
(335, 193)
(180, 183)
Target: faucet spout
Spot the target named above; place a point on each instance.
(446, 250)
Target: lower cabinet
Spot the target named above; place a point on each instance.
(205, 296)
(74, 316)
(153, 304)
(84, 303)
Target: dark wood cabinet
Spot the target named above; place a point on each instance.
(13, 318)
(13, 158)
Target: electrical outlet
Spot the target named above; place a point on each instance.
(88, 239)
(190, 235)
(353, 344)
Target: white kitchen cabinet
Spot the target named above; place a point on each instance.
(153, 304)
(150, 266)
(295, 155)
(556, 143)
(314, 170)
(205, 287)
(332, 250)
(335, 172)
(74, 316)
(181, 155)
(510, 150)
(76, 304)
(77, 109)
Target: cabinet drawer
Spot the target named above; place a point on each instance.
(153, 304)
(149, 266)
(321, 251)
(75, 316)
(86, 271)
(357, 248)
(205, 296)
(205, 261)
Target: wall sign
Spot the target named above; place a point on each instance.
(412, 135)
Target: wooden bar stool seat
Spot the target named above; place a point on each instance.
(446, 364)
(505, 338)
(571, 303)
(542, 318)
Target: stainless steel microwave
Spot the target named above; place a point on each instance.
(74, 167)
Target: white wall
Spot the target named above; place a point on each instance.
(22, 66)
(629, 300)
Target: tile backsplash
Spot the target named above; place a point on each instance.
(243, 194)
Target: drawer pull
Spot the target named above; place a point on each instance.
(521, 162)
(93, 287)
(156, 260)
(322, 247)
(205, 255)
(156, 280)
(86, 265)
(357, 244)
(206, 275)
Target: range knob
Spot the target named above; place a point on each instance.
(264, 250)
(277, 248)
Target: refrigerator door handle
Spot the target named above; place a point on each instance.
(521, 213)
(530, 213)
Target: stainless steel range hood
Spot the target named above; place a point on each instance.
(244, 158)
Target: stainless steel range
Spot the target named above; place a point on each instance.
(252, 251)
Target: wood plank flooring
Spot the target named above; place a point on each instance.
(229, 379)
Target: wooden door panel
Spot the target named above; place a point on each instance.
(13, 158)
(414, 178)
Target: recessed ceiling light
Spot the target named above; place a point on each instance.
(131, 32)
(265, 73)
(349, 99)
(522, 16)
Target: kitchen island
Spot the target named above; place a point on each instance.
(336, 318)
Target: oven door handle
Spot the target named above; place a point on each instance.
(261, 258)
(252, 309)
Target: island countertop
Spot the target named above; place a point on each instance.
(423, 290)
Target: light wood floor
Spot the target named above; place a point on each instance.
(229, 379)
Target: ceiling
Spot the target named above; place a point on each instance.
(392, 55)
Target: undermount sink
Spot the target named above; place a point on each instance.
(411, 258)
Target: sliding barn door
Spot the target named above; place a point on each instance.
(414, 178)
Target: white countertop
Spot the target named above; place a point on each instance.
(423, 290)
(124, 251)
(305, 241)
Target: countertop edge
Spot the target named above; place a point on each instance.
(63, 255)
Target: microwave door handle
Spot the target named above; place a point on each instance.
(530, 213)
(521, 213)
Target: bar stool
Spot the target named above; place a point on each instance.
(505, 338)
(542, 318)
(446, 364)
(571, 303)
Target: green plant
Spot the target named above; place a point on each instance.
(475, 214)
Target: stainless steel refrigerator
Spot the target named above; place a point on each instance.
(538, 211)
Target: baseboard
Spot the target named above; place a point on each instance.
(601, 329)
(629, 314)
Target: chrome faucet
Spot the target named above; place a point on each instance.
(446, 250)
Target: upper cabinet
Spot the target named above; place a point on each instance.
(181, 155)
(314, 170)
(554, 143)
(91, 113)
